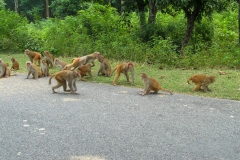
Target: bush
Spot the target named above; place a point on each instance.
(13, 32)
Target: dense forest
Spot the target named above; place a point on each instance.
(186, 33)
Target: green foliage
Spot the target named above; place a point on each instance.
(13, 33)
(63, 8)
(2, 4)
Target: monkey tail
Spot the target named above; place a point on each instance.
(166, 90)
(50, 79)
(188, 81)
(113, 71)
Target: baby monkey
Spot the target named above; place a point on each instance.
(151, 84)
(201, 81)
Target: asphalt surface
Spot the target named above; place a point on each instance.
(106, 122)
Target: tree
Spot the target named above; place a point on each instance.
(194, 11)
(2, 4)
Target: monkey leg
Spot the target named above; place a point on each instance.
(64, 84)
(116, 78)
(55, 87)
(70, 85)
(198, 86)
(127, 77)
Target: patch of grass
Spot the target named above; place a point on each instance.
(226, 86)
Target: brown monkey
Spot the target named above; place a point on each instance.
(34, 56)
(59, 63)
(201, 81)
(124, 68)
(84, 69)
(8, 73)
(49, 58)
(64, 76)
(105, 67)
(15, 64)
(44, 68)
(34, 70)
(90, 58)
(151, 84)
(77, 62)
(3, 68)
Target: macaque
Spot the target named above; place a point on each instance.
(77, 62)
(124, 68)
(33, 56)
(105, 67)
(3, 68)
(34, 70)
(201, 81)
(60, 64)
(151, 84)
(84, 69)
(15, 64)
(64, 76)
(44, 68)
(90, 58)
(49, 58)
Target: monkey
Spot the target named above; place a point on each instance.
(34, 70)
(105, 67)
(64, 76)
(15, 64)
(60, 64)
(77, 62)
(3, 68)
(151, 84)
(201, 80)
(34, 56)
(44, 68)
(8, 73)
(84, 69)
(49, 58)
(123, 68)
(90, 58)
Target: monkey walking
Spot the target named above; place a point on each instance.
(59, 63)
(201, 80)
(33, 56)
(123, 68)
(151, 84)
(64, 76)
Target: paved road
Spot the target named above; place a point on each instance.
(105, 122)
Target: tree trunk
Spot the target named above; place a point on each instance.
(191, 17)
(47, 9)
(152, 11)
(141, 5)
(16, 5)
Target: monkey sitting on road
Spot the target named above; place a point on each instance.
(151, 84)
(64, 76)
(34, 70)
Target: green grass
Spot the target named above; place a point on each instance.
(226, 86)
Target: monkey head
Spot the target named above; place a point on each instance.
(28, 64)
(43, 61)
(12, 59)
(27, 51)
